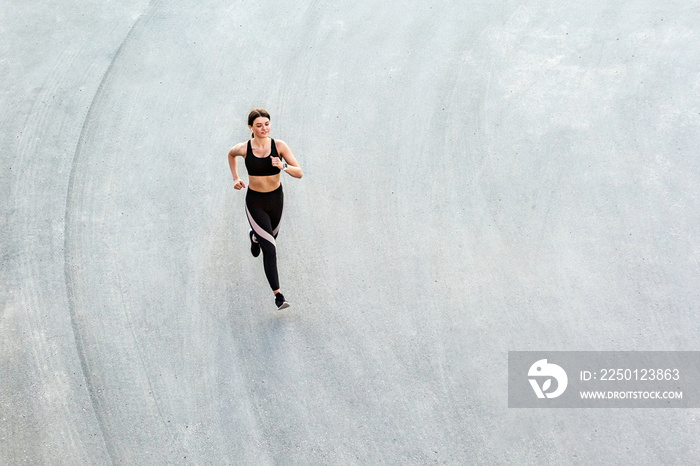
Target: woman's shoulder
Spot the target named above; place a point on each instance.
(280, 144)
(239, 149)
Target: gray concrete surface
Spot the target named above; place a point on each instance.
(479, 177)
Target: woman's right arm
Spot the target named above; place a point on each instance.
(233, 164)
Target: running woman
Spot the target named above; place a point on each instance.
(265, 159)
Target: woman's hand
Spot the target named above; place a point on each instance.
(276, 162)
(236, 151)
(293, 168)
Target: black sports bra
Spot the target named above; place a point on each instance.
(261, 166)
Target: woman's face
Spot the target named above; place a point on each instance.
(261, 127)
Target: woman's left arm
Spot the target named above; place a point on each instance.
(285, 153)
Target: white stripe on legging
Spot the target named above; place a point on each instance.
(258, 229)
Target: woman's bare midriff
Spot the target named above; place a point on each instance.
(264, 184)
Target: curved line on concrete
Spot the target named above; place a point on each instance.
(68, 223)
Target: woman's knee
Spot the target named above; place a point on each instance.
(268, 249)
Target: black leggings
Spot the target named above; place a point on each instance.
(264, 212)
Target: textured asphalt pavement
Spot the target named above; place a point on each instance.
(479, 177)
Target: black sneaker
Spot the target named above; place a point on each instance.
(280, 302)
(254, 245)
